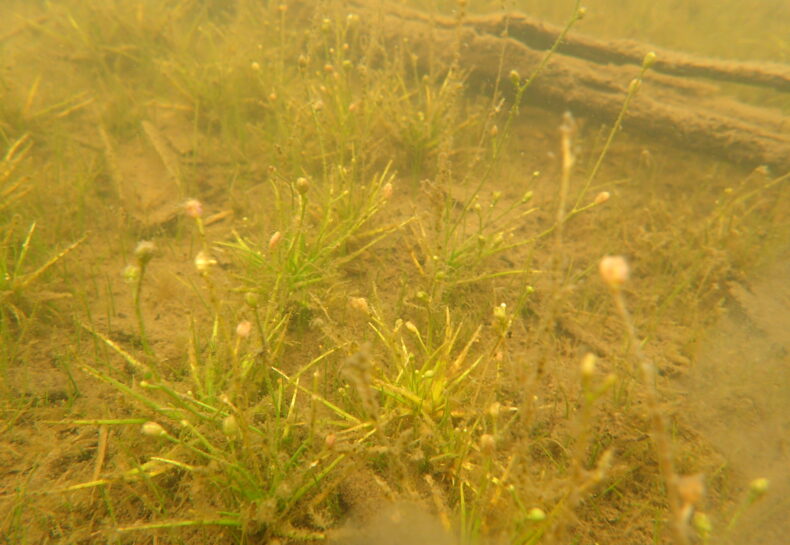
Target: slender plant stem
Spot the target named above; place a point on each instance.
(661, 440)
(633, 88)
(138, 310)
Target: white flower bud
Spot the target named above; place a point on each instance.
(193, 208)
(602, 197)
(203, 262)
(614, 270)
(144, 252)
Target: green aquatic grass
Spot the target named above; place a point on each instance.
(318, 229)
(16, 276)
(13, 187)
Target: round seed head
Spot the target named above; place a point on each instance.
(602, 197)
(536, 514)
(193, 208)
(244, 328)
(515, 77)
(487, 444)
(153, 429)
(758, 487)
(203, 262)
(302, 185)
(230, 427)
(144, 252)
(495, 409)
(330, 440)
(614, 270)
(588, 365)
(500, 315)
(131, 273)
(252, 299)
(691, 488)
(649, 60)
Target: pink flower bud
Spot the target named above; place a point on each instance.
(275, 240)
(244, 328)
(602, 197)
(330, 440)
(193, 208)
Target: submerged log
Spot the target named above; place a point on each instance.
(539, 35)
(591, 77)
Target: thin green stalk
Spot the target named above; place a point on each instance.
(633, 88)
(144, 253)
(182, 524)
(521, 89)
(145, 369)
(615, 276)
(757, 489)
(138, 311)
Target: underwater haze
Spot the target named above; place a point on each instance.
(363, 272)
